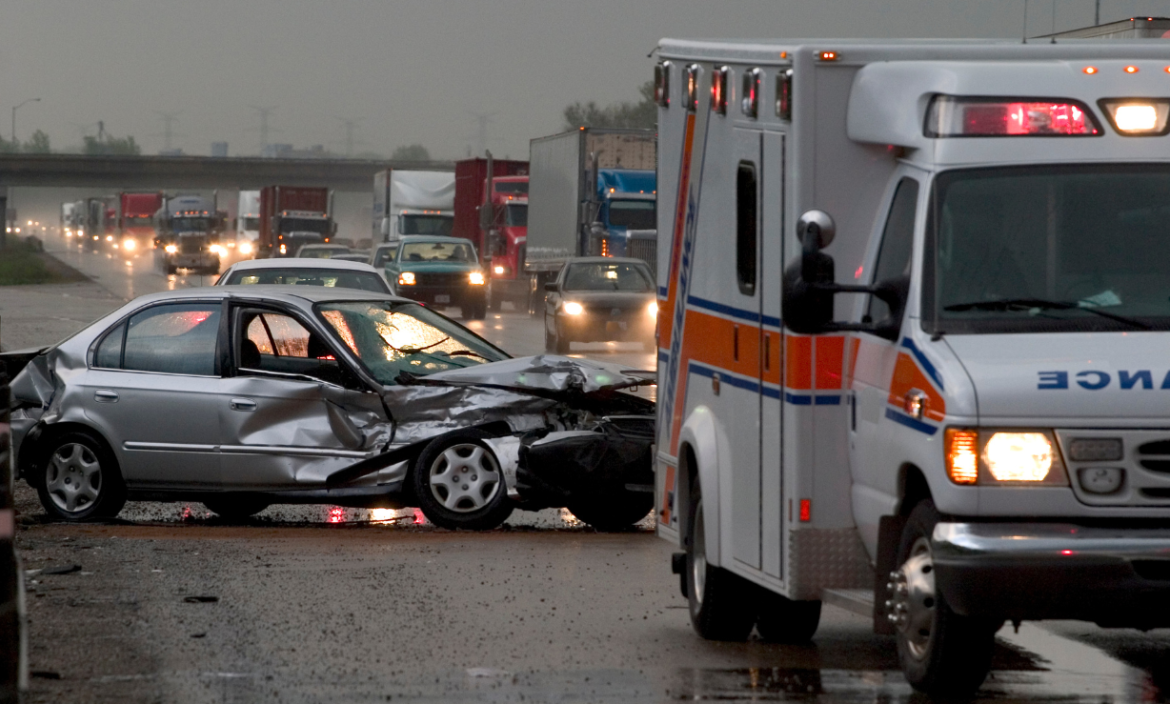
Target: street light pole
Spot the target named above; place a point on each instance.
(30, 100)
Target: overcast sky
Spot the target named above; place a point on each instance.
(407, 70)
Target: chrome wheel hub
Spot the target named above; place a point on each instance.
(465, 478)
(74, 478)
(912, 603)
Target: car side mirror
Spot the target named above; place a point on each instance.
(551, 287)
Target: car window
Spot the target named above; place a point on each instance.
(383, 256)
(437, 252)
(176, 338)
(329, 278)
(109, 351)
(608, 277)
(278, 343)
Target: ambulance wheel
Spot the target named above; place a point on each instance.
(459, 483)
(235, 507)
(721, 603)
(941, 653)
(782, 620)
(613, 511)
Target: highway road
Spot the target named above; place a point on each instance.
(319, 604)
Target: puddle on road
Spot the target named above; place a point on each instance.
(148, 512)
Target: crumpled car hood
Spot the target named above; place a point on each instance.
(541, 373)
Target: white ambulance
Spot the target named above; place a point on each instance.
(914, 315)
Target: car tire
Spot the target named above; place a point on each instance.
(941, 653)
(493, 301)
(235, 507)
(478, 499)
(79, 479)
(170, 268)
(550, 339)
(613, 511)
(782, 620)
(721, 604)
(561, 341)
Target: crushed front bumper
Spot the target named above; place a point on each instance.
(1115, 577)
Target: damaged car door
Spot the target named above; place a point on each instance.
(291, 411)
(151, 389)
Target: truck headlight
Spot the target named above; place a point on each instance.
(406, 278)
(500, 269)
(985, 456)
(109, 238)
(1018, 457)
(217, 250)
(573, 308)
(475, 278)
(129, 244)
(171, 249)
(245, 248)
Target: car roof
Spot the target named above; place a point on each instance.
(606, 260)
(407, 239)
(301, 263)
(323, 246)
(295, 295)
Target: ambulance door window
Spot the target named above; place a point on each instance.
(746, 219)
(893, 262)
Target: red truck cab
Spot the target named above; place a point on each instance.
(499, 232)
(136, 221)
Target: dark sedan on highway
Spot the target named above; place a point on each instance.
(597, 299)
(246, 396)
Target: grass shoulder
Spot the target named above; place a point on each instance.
(22, 263)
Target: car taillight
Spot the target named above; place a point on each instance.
(951, 116)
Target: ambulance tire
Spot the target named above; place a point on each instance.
(612, 511)
(722, 604)
(235, 507)
(783, 620)
(950, 655)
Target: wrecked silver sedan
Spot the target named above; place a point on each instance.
(244, 398)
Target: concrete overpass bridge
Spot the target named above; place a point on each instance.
(194, 172)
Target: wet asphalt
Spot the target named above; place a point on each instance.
(322, 604)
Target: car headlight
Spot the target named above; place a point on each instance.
(475, 278)
(652, 310)
(109, 238)
(573, 308)
(171, 249)
(129, 244)
(245, 248)
(406, 278)
(976, 456)
(216, 249)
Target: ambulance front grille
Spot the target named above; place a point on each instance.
(1144, 459)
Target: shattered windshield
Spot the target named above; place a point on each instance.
(390, 338)
(1054, 248)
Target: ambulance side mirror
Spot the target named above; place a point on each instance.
(808, 302)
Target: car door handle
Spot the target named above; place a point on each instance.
(105, 396)
(242, 404)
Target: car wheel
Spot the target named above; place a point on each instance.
(493, 301)
(170, 268)
(459, 483)
(941, 652)
(782, 620)
(721, 603)
(550, 338)
(79, 479)
(617, 510)
(235, 507)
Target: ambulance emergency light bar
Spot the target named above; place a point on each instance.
(968, 116)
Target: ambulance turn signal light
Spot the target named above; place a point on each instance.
(1138, 117)
(953, 116)
(719, 89)
(962, 448)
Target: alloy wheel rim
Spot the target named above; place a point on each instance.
(699, 559)
(74, 479)
(464, 478)
(913, 604)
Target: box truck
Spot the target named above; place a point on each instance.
(291, 217)
(912, 319)
(413, 203)
(247, 222)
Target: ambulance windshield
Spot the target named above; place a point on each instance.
(1049, 249)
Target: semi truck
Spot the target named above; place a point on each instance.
(413, 203)
(491, 210)
(68, 219)
(187, 233)
(291, 217)
(591, 193)
(911, 320)
(247, 222)
(98, 222)
(136, 220)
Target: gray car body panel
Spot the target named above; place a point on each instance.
(284, 434)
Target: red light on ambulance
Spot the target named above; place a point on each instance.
(719, 89)
(693, 72)
(662, 83)
(827, 55)
(805, 510)
(750, 100)
(951, 116)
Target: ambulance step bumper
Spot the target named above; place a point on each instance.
(1110, 576)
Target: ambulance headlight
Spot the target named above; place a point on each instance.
(573, 308)
(1003, 457)
(1018, 457)
(1138, 117)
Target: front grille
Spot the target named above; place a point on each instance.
(1144, 458)
(446, 280)
(607, 311)
(190, 245)
(644, 249)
